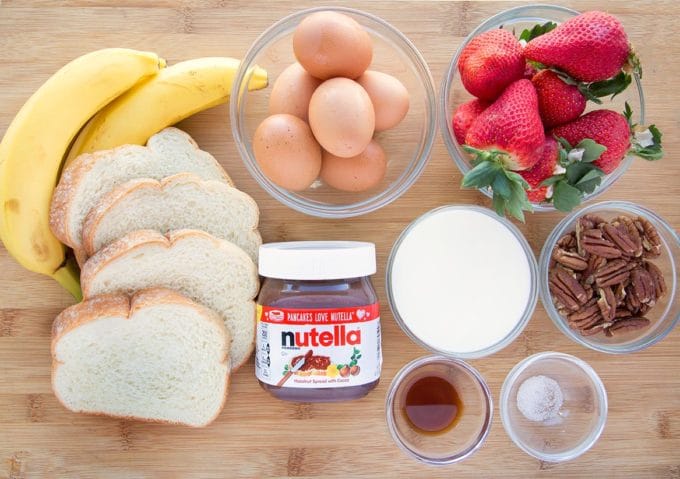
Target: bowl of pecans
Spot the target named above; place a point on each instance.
(609, 277)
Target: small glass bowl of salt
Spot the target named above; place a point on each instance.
(553, 406)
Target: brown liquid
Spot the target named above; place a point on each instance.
(432, 405)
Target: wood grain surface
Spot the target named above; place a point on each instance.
(256, 435)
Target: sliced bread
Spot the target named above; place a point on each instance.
(177, 202)
(91, 176)
(211, 271)
(155, 356)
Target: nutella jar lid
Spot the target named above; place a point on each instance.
(317, 260)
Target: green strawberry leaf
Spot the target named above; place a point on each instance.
(592, 150)
(613, 86)
(517, 178)
(628, 113)
(566, 197)
(552, 180)
(576, 171)
(563, 142)
(501, 186)
(498, 203)
(536, 31)
(590, 181)
(482, 175)
(650, 153)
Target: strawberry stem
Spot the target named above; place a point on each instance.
(508, 187)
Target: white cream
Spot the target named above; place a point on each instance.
(460, 280)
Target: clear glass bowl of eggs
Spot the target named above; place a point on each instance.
(348, 122)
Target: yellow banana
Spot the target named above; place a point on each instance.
(36, 141)
(176, 93)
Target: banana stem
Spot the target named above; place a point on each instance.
(68, 276)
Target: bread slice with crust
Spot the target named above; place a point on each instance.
(155, 356)
(210, 271)
(90, 176)
(177, 202)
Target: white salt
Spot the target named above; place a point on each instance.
(460, 280)
(539, 398)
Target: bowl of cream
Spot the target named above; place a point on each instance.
(461, 281)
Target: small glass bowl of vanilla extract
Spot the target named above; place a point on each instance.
(439, 410)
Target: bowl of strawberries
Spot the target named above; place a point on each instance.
(542, 108)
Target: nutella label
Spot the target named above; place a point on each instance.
(318, 348)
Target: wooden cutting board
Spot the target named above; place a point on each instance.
(256, 435)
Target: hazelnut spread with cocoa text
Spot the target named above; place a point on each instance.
(318, 321)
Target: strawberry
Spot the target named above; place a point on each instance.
(548, 155)
(511, 127)
(607, 128)
(558, 102)
(505, 137)
(491, 62)
(529, 71)
(601, 139)
(589, 47)
(464, 115)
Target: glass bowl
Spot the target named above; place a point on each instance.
(579, 421)
(407, 146)
(467, 435)
(517, 19)
(513, 333)
(664, 315)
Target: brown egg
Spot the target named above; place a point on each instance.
(330, 44)
(389, 96)
(358, 173)
(341, 116)
(292, 91)
(287, 152)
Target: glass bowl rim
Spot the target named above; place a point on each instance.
(412, 171)
(459, 364)
(598, 385)
(446, 85)
(544, 262)
(531, 302)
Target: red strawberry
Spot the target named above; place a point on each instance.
(548, 155)
(558, 102)
(512, 125)
(589, 47)
(491, 62)
(464, 115)
(606, 127)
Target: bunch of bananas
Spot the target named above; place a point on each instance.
(101, 100)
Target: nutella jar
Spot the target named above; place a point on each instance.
(318, 321)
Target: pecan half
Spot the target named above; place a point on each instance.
(567, 241)
(643, 285)
(585, 317)
(627, 325)
(660, 288)
(620, 237)
(632, 302)
(593, 330)
(594, 263)
(622, 313)
(633, 232)
(566, 289)
(651, 242)
(570, 259)
(607, 303)
(594, 242)
(613, 272)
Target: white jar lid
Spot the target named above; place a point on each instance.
(317, 260)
